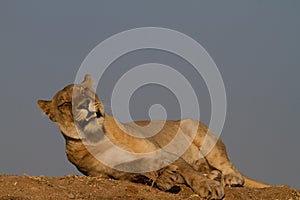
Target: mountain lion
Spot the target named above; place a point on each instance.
(98, 145)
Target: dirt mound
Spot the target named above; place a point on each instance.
(81, 187)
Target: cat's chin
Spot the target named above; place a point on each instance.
(92, 127)
(91, 132)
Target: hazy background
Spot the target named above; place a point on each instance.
(255, 45)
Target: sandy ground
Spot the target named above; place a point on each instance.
(81, 187)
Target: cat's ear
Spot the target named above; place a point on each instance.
(88, 82)
(46, 107)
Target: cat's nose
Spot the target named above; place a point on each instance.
(87, 103)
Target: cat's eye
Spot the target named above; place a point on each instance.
(65, 104)
(84, 105)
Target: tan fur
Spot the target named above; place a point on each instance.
(207, 176)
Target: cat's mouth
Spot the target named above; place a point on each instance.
(93, 115)
(90, 116)
(99, 114)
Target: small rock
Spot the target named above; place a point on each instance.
(71, 196)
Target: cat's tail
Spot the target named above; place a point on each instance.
(254, 184)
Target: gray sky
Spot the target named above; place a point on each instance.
(255, 45)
